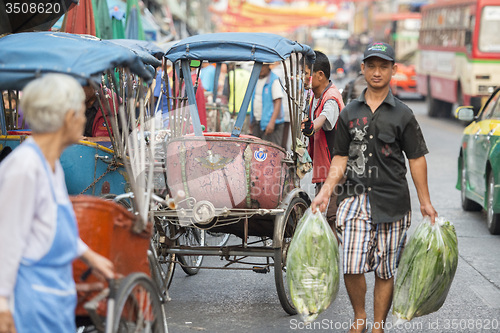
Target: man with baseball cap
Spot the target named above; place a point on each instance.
(380, 50)
(374, 134)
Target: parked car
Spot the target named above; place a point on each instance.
(404, 81)
(479, 161)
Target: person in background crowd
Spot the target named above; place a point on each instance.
(320, 125)
(200, 99)
(266, 112)
(354, 88)
(278, 70)
(235, 87)
(338, 64)
(237, 81)
(9, 100)
(10, 108)
(374, 133)
(38, 230)
(160, 93)
(96, 124)
(222, 86)
(207, 76)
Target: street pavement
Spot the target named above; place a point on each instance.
(244, 301)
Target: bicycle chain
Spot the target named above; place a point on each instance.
(111, 167)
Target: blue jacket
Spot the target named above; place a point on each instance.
(267, 104)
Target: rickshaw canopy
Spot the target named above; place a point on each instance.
(147, 51)
(237, 46)
(24, 56)
(141, 45)
(259, 48)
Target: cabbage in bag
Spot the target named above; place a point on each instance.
(313, 266)
(426, 270)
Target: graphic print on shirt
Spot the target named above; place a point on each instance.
(357, 159)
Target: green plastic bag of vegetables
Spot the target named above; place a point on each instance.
(426, 270)
(313, 266)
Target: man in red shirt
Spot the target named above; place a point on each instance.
(324, 110)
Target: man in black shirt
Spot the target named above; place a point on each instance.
(374, 133)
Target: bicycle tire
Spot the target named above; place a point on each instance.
(190, 264)
(294, 212)
(138, 306)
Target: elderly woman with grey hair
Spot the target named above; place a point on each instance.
(38, 230)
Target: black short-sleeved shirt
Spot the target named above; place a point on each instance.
(375, 142)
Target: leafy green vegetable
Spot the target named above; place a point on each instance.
(313, 266)
(426, 270)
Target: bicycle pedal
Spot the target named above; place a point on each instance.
(261, 270)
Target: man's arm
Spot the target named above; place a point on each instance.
(326, 120)
(418, 169)
(335, 175)
(319, 122)
(100, 264)
(6, 319)
(331, 112)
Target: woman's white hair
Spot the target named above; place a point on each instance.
(46, 100)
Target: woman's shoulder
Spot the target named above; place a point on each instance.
(23, 160)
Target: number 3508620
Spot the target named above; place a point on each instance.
(32, 8)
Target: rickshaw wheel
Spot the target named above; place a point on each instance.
(162, 270)
(190, 264)
(138, 306)
(294, 212)
(161, 264)
(216, 238)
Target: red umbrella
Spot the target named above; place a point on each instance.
(80, 19)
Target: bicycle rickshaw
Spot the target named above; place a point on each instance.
(229, 183)
(132, 303)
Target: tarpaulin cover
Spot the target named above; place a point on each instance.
(25, 56)
(237, 46)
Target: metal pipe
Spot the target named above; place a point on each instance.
(193, 108)
(218, 251)
(291, 106)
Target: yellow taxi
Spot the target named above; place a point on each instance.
(479, 161)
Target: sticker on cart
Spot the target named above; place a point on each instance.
(260, 155)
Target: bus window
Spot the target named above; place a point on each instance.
(489, 39)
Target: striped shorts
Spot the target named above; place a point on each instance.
(368, 246)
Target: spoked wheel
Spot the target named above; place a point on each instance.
(190, 264)
(216, 238)
(296, 209)
(138, 306)
(161, 264)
